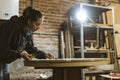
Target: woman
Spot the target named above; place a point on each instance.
(16, 36)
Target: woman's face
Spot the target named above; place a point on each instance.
(34, 25)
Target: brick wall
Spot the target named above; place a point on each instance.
(54, 13)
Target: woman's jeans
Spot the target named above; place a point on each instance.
(4, 71)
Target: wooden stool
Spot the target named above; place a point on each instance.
(108, 77)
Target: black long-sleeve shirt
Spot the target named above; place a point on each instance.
(14, 38)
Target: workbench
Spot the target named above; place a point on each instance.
(66, 69)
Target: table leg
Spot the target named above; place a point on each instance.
(67, 74)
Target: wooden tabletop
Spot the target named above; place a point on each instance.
(69, 62)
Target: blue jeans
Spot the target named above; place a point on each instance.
(4, 71)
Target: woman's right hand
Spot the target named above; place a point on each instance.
(26, 56)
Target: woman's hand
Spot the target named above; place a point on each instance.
(29, 57)
(49, 56)
(26, 56)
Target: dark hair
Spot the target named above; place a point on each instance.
(31, 14)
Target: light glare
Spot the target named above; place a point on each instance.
(81, 15)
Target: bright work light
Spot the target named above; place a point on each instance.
(81, 15)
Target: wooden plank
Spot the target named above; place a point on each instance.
(62, 44)
(74, 62)
(109, 17)
(117, 38)
(116, 12)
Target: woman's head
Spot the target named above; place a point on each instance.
(33, 18)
